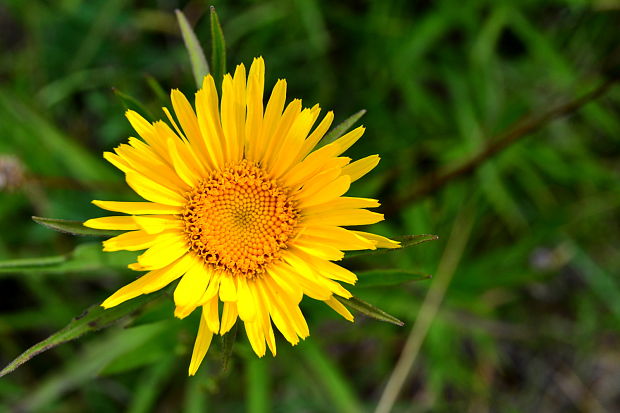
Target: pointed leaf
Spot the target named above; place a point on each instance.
(85, 259)
(228, 341)
(406, 241)
(73, 227)
(93, 319)
(369, 309)
(200, 67)
(218, 48)
(157, 88)
(342, 128)
(129, 102)
(382, 278)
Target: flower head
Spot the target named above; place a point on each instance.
(242, 208)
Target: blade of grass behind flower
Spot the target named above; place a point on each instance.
(258, 383)
(93, 319)
(218, 48)
(329, 377)
(342, 128)
(200, 67)
(369, 310)
(73, 227)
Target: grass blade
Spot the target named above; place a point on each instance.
(406, 241)
(93, 319)
(73, 227)
(388, 277)
(369, 309)
(342, 128)
(218, 48)
(85, 259)
(200, 67)
(130, 102)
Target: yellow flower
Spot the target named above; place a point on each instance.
(242, 208)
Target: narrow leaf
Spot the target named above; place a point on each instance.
(406, 241)
(85, 259)
(228, 341)
(73, 227)
(30, 264)
(197, 57)
(369, 309)
(93, 319)
(218, 48)
(342, 128)
(129, 102)
(383, 278)
(157, 89)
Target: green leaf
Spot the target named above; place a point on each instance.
(382, 278)
(73, 227)
(157, 89)
(228, 341)
(343, 127)
(258, 385)
(334, 386)
(369, 309)
(93, 319)
(218, 49)
(200, 67)
(129, 102)
(406, 241)
(85, 258)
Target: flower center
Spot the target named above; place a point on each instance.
(239, 220)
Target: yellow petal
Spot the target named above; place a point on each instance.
(148, 133)
(273, 112)
(245, 301)
(207, 110)
(334, 271)
(381, 242)
(291, 145)
(285, 282)
(137, 207)
(344, 217)
(342, 203)
(154, 224)
(211, 314)
(191, 289)
(151, 281)
(319, 249)
(346, 141)
(228, 289)
(145, 163)
(256, 85)
(339, 308)
(185, 164)
(130, 241)
(284, 124)
(214, 287)
(152, 191)
(201, 346)
(361, 167)
(168, 248)
(117, 223)
(189, 122)
(316, 135)
(334, 236)
(229, 316)
(319, 191)
(271, 294)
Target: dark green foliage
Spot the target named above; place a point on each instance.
(529, 321)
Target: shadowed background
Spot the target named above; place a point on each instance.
(524, 307)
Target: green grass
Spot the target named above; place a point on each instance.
(529, 317)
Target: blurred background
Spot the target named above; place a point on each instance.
(524, 304)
